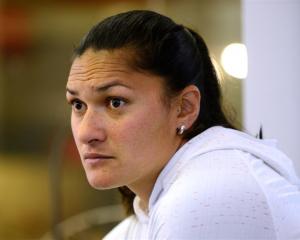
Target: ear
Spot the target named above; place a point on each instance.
(188, 106)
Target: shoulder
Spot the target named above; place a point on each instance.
(214, 175)
(214, 196)
(215, 169)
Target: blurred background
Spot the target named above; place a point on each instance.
(43, 190)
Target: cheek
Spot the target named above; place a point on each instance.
(141, 131)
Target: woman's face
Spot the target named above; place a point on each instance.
(124, 131)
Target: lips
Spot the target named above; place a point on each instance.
(95, 157)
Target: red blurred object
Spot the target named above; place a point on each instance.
(15, 35)
(70, 151)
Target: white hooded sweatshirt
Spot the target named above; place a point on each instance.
(222, 184)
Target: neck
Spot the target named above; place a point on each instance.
(143, 189)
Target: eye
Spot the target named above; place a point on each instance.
(116, 102)
(78, 106)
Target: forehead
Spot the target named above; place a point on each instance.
(97, 67)
(101, 61)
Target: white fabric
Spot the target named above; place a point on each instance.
(222, 184)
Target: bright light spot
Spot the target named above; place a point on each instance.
(234, 60)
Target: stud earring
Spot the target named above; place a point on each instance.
(181, 130)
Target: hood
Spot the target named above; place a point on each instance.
(220, 138)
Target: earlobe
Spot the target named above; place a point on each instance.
(189, 106)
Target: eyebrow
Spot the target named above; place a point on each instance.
(102, 88)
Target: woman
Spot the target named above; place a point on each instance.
(147, 118)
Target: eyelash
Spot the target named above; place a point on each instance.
(74, 102)
(108, 103)
(110, 99)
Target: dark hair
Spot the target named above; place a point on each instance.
(172, 51)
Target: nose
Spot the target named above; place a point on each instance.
(91, 128)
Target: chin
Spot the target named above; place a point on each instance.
(101, 182)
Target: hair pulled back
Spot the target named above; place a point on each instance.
(162, 47)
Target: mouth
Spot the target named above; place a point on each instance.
(93, 158)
